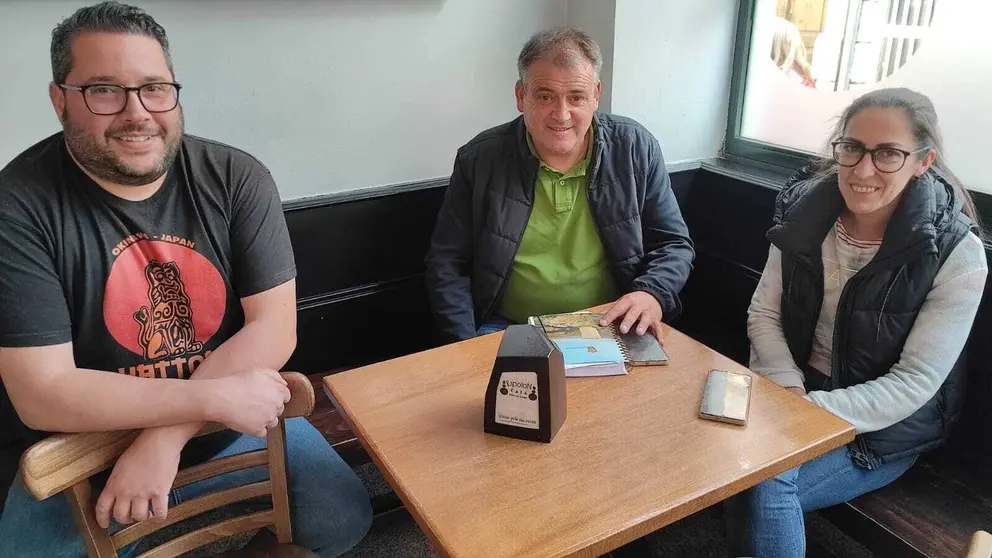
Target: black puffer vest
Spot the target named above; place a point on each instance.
(878, 306)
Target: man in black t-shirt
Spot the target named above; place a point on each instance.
(148, 282)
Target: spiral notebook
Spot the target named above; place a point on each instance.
(634, 350)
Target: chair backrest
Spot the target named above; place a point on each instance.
(65, 463)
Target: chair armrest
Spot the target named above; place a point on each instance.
(62, 460)
(301, 396)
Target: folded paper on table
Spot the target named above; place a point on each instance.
(610, 369)
(580, 352)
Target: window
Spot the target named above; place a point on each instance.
(798, 63)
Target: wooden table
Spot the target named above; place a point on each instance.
(631, 457)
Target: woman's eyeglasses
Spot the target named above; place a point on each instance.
(886, 159)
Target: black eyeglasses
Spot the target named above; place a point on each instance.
(106, 99)
(886, 159)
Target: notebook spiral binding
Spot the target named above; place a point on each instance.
(623, 346)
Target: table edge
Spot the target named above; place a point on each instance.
(597, 546)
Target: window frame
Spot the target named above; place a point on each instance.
(736, 146)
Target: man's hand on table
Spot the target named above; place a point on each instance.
(638, 309)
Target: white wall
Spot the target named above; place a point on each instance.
(330, 95)
(671, 71)
(952, 67)
(598, 19)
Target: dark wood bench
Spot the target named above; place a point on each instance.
(933, 510)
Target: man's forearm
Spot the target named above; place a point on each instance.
(83, 400)
(665, 282)
(256, 345)
(668, 248)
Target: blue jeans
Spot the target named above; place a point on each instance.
(330, 509)
(767, 520)
(493, 325)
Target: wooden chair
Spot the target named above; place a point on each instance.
(981, 545)
(65, 463)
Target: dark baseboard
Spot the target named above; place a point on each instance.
(355, 327)
(715, 302)
(345, 242)
(363, 194)
(360, 284)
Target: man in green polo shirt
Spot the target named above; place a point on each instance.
(560, 265)
(561, 209)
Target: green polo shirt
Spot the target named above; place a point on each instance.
(560, 266)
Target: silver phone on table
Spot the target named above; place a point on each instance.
(726, 397)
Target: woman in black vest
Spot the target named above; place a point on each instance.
(872, 283)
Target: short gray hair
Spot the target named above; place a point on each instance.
(111, 17)
(564, 45)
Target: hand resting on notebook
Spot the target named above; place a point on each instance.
(638, 308)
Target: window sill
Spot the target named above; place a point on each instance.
(748, 171)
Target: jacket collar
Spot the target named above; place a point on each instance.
(807, 208)
(519, 129)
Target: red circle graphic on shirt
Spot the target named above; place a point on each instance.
(163, 299)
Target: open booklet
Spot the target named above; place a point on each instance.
(590, 349)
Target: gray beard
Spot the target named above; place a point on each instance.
(103, 163)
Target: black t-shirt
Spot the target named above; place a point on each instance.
(144, 288)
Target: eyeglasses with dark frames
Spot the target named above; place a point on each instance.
(106, 99)
(886, 159)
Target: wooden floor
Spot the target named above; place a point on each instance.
(326, 419)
